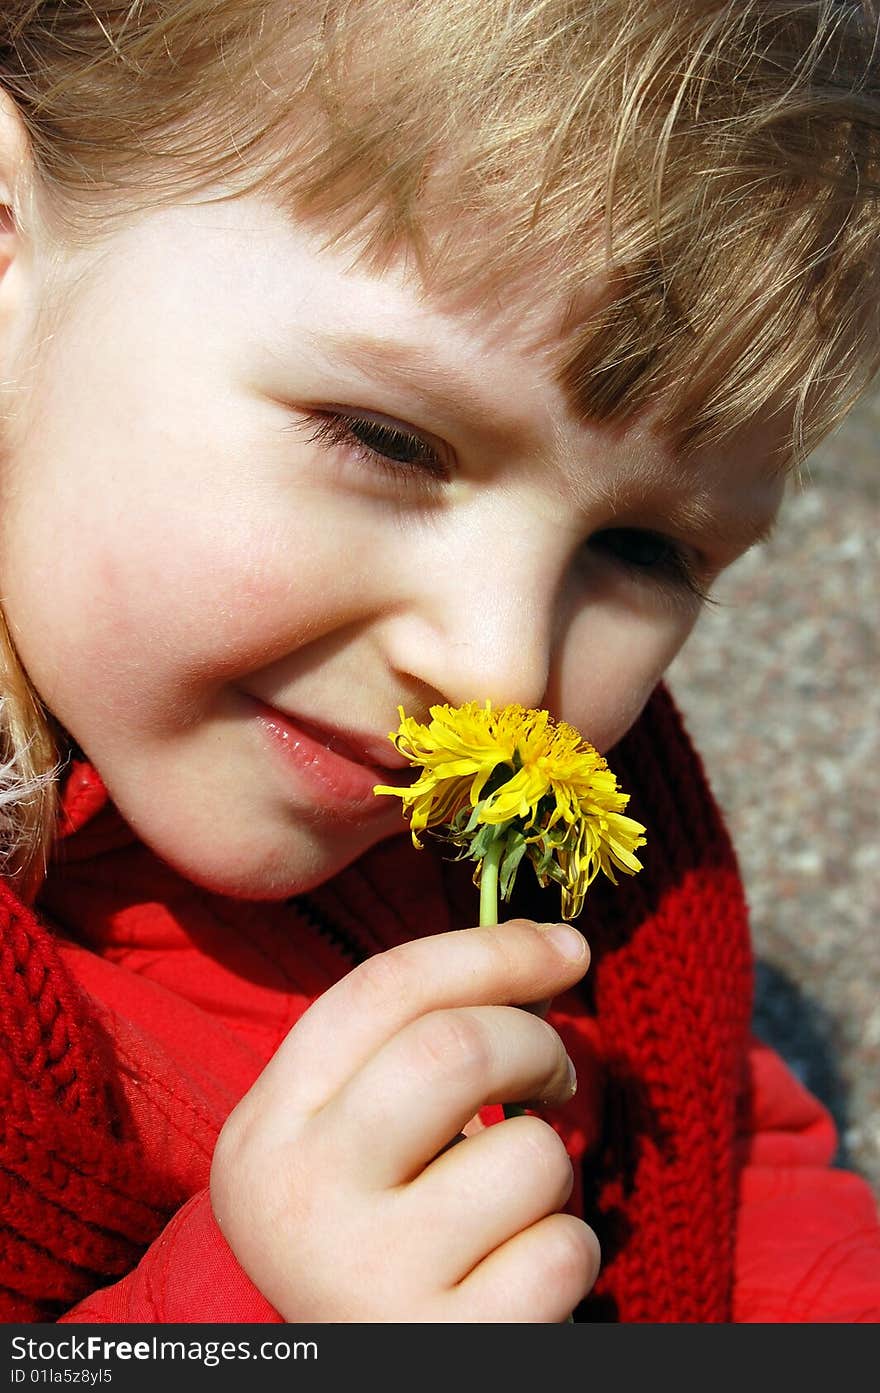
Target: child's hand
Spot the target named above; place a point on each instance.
(328, 1179)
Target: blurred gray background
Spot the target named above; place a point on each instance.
(780, 688)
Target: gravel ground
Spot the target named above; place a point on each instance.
(780, 687)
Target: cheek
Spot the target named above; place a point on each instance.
(612, 661)
(141, 618)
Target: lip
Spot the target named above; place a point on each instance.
(339, 767)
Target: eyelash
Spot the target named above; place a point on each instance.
(422, 463)
(420, 460)
(670, 565)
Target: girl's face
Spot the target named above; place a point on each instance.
(255, 499)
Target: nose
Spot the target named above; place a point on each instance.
(483, 620)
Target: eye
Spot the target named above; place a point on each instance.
(651, 554)
(376, 442)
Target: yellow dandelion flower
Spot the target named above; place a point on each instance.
(513, 784)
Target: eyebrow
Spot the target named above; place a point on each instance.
(743, 529)
(454, 391)
(423, 372)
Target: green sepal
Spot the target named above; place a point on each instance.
(542, 852)
(481, 841)
(474, 818)
(474, 846)
(516, 849)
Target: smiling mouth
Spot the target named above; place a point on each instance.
(361, 750)
(339, 770)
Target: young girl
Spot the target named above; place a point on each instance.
(363, 355)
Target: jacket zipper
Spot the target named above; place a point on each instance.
(340, 940)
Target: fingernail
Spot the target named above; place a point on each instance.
(572, 1077)
(570, 944)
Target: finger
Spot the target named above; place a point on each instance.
(425, 1083)
(484, 1192)
(502, 964)
(537, 1277)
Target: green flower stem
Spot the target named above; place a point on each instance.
(489, 883)
(489, 915)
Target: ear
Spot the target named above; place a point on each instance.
(15, 173)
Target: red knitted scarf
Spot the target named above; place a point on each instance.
(670, 985)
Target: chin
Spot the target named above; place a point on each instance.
(250, 873)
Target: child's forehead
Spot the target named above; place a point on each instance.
(492, 349)
(719, 160)
(513, 341)
(598, 325)
(489, 365)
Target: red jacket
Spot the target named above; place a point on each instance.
(136, 1009)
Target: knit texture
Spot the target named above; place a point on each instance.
(670, 983)
(670, 988)
(671, 979)
(76, 1203)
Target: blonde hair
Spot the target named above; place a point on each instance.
(716, 161)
